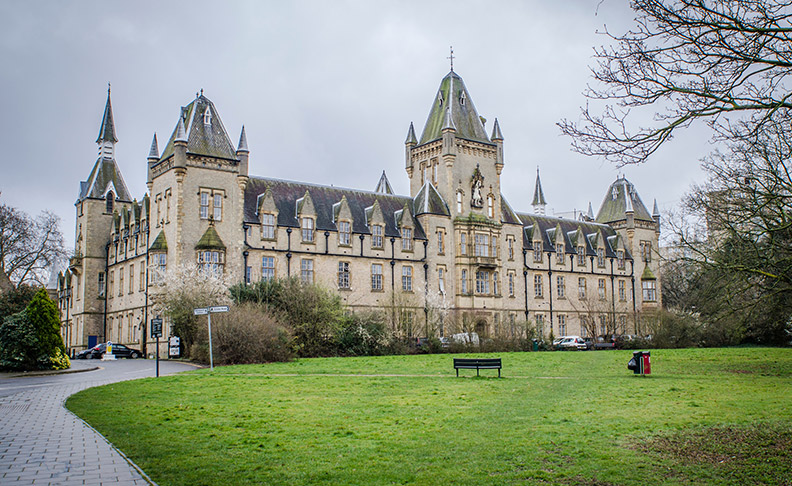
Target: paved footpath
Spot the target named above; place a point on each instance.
(43, 443)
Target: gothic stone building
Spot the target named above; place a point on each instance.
(452, 255)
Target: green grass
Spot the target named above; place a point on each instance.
(554, 418)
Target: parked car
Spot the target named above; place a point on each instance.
(119, 351)
(572, 342)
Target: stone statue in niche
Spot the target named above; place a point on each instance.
(476, 200)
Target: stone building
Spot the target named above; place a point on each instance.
(452, 255)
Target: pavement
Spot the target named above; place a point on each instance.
(43, 443)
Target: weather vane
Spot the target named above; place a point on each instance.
(452, 58)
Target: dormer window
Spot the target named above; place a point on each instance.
(407, 241)
(601, 257)
(620, 259)
(307, 230)
(462, 98)
(537, 251)
(560, 254)
(207, 116)
(581, 256)
(110, 199)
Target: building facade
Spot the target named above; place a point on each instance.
(451, 256)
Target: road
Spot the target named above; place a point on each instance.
(43, 443)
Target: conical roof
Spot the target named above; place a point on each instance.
(105, 176)
(383, 186)
(539, 198)
(107, 130)
(453, 98)
(154, 150)
(621, 198)
(203, 130)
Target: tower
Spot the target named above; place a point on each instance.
(100, 196)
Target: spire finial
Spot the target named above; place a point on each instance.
(201, 91)
(108, 88)
(451, 57)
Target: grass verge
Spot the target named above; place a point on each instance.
(555, 418)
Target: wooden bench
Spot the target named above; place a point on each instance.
(477, 364)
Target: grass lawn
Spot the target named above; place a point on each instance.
(705, 416)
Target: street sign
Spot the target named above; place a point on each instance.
(156, 327)
(201, 311)
(218, 308)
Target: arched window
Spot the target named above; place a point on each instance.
(491, 206)
(459, 202)
(207, 116)
(110, 199)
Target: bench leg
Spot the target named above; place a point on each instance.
(498, 372)
(477, 371)
(457, 370)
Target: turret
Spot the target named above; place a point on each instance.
(180, 144)
(243, 153)
(656, 217)
(409, 144)
(497, 137)
(107, 138)
(539, 203)
(153, 157)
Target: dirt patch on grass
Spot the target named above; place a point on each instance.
(758, 454)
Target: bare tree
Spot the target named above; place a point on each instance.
(725, 62)
(29, 247)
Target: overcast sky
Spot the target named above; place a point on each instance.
(326, 90)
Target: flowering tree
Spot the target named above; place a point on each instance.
(182, 288)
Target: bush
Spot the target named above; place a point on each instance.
(365, 334)
(248, 334)
(15, 300)
(31, 340)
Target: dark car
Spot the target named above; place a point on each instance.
(119, 351)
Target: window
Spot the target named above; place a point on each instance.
(376, 236)
(167, 205)
(423, 173)
(376, 276)
(511, 285)
(581, 287)
(603, 326)
(142, 278)
(131, 278)
(649, 288)
(159, 262)
(561, 286)
(620, 259)
(495, 283)
(267, 268)
(120, 281)
(407, 278)
(537, 251)
(344, 233)
(204, 211)
(109, 202)
(267, 226)
(491, 206)
(601, 288)
(494, 248)
(343, 275)
(622, 293)
(211, 261)
(482, 282)
(646, 251)
(481, 245)
(581, 256)
(158, 199)
(207, 116)
(601, 257)
(441, 279)
(248, 272)
(101, 284)
(560, 254)
(463, 243)
(307, 225)
(407, 242)
(540, 323)
(464, 285)
(538, 291)
(441, 241)
(562, 327)
(434, 172)
(510, 247)
(218, 207)
(306, 271)
(459, 202)
(623, 323)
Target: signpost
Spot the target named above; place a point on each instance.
(156, 332)
(208, 311)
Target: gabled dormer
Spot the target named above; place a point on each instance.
(342, 218)
(375, 221)
(306, 216)
(404, 222)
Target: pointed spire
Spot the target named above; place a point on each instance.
(655, 211)
(539, 201)
(243, 145)
(411, 136)
(628, 202)
(181, 132)
(383, 186)
(448, 122)
(590, 214)
(154, 151)
(107, 130)
(496, 132)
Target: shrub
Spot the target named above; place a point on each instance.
(17, 343)
(31, 340)
(15, 300)
(248, 334)
(365, 334)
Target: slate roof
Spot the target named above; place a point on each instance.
(620, 198)
(107, 129)
(202, 139)
(539, 198)
(287, 193)
(429, 201)
(105, 175)
(453, 97)
(383, 186)
(545, 229)
(160, 243)
(210, 240)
